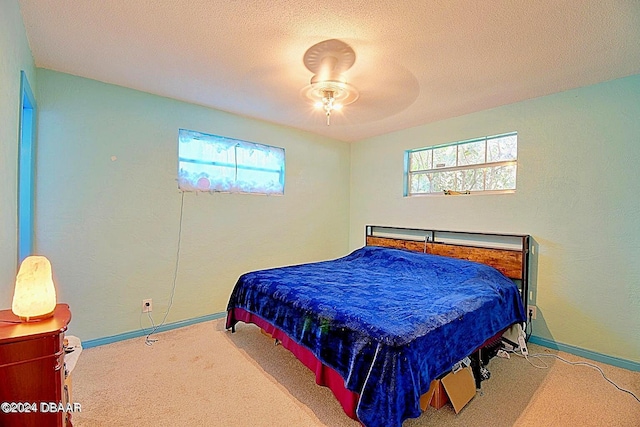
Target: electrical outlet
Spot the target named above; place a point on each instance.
(147, 305)
(531, 310)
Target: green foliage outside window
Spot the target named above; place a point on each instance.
(482, 164)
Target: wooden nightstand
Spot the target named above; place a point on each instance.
(32, 370)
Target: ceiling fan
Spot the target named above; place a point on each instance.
(328, 88)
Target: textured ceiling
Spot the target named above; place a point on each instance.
(417, 61)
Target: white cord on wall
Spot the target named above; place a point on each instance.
(148, 340)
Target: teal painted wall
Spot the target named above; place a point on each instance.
(108, 207)
(578, 160)
(15, 56)
(110, 226)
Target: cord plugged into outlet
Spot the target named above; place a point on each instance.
(147, 305)
(531, 312)
(523, 346)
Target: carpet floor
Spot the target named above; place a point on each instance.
(202, 375)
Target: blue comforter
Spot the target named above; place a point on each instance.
(387, 320)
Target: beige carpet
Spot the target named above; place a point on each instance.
(202, 375)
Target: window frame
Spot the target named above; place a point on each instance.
(408, 173)
(228, 142)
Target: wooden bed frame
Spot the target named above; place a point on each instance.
(508, 253)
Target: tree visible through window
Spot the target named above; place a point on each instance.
(219, 164)
(482, 164)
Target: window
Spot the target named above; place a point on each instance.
(482, 164)
(219, 164)
(26, 162)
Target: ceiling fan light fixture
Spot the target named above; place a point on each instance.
(331, 96)
(328, 88)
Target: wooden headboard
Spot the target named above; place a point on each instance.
(508, 253)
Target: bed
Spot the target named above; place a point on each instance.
(379, 324)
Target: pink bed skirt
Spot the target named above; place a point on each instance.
(325, 375)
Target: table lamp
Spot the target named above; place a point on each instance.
(34, 297)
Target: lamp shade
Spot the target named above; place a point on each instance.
(34, 295)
